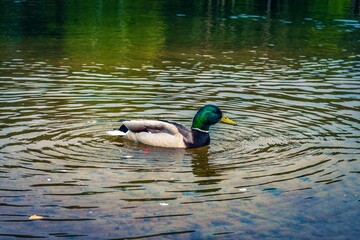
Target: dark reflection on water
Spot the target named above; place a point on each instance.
(288, 73)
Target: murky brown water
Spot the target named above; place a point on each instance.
(290, 169)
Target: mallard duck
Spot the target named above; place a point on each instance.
(162, 133)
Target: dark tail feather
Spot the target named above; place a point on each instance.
(123, 129)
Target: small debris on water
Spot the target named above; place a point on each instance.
(35, 217)
(91, 122)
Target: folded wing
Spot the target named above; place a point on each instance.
(151, 126)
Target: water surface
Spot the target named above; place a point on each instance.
(288, 74)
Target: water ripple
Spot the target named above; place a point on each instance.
(298, 134)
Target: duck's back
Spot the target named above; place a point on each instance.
(156, 133)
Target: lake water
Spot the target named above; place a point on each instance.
(288, 73)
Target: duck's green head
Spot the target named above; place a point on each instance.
(209, 115)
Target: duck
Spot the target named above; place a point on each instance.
(168, 134)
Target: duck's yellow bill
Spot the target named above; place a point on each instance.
(227, 120)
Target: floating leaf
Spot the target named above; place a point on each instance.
(35, 217)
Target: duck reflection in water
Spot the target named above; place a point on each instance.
(200, 164)
(160, 159)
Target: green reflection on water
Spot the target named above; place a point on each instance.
(116, 31)
(126, 32)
